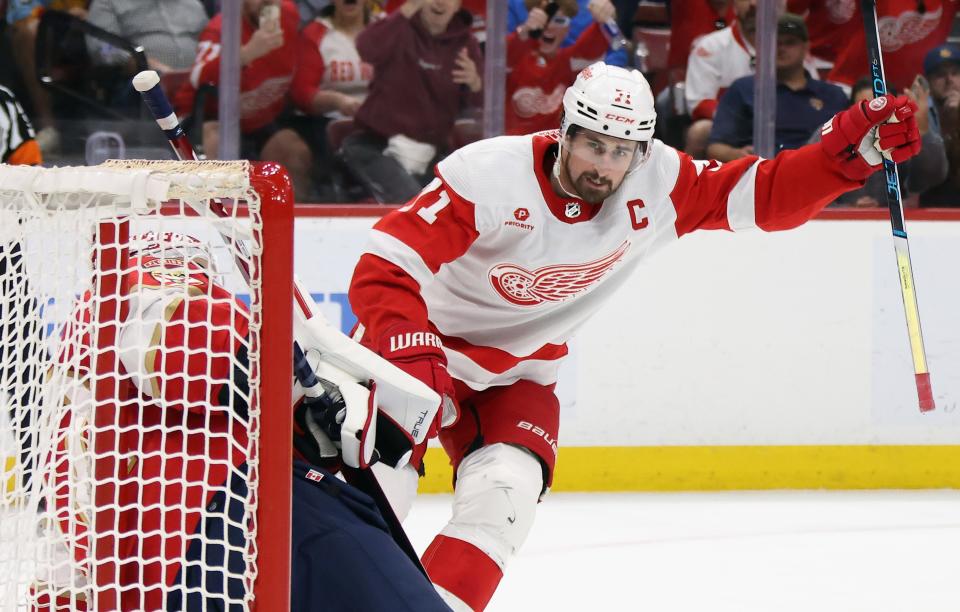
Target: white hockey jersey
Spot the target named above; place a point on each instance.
(506, 271)
(716, 61)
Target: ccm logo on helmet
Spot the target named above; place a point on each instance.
(618, 118)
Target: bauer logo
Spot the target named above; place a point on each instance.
(539, 431)
(314, 475)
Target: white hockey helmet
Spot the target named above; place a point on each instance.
(611, 100)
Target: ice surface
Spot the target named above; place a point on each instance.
(810, 551)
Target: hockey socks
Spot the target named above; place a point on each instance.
(463, 570)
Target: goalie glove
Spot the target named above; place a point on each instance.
(859, 138)
(340, 416)
(336, 416)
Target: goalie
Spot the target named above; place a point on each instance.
(179, 496)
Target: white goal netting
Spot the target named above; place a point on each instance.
(130, 372)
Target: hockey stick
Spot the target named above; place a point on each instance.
(895, 203)
(311, 330)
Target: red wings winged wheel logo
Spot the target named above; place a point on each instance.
(556, 283)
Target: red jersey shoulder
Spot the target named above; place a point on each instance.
(213, 29)
(315, 31)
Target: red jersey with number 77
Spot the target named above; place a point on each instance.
(506, 271)
(264, 82)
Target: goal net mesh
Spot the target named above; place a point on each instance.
(129, 386)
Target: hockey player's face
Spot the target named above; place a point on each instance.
(596, 163)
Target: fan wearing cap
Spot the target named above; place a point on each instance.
(803, 103)
(942, 69)
(476, 285)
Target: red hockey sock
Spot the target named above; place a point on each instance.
(462, 569)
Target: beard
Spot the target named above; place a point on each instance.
(590, 192)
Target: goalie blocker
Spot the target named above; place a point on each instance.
(343, 554)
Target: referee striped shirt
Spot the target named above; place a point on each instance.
(17, 138)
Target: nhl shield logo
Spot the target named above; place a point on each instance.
(572, 210)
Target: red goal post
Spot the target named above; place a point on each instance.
(146, 424)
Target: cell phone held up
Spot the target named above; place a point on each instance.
(551, 10)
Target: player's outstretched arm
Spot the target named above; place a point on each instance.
(790, 189)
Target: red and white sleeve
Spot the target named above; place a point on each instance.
(748, 193)
(405, 251)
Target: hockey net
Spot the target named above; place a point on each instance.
(134, 396)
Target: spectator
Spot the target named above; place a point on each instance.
(715, 61)
(331, 81)
(476, 8)
(690, 20)
(23, 17)
(18, 144)
(942, 67)
(803, 103)
(917, 174)
(518, 11)
(426, 69)
(539, 71)
(828, 23)
(268, 59)
(908, 31)
(167, 30)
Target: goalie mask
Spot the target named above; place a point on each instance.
(174, 246)
(612, 102)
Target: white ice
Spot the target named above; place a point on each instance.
(809, 551)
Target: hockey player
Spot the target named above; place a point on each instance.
(179, 504)
(476, 285)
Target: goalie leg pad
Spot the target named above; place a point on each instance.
(399, 485)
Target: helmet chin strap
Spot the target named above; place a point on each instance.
(557, 173)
